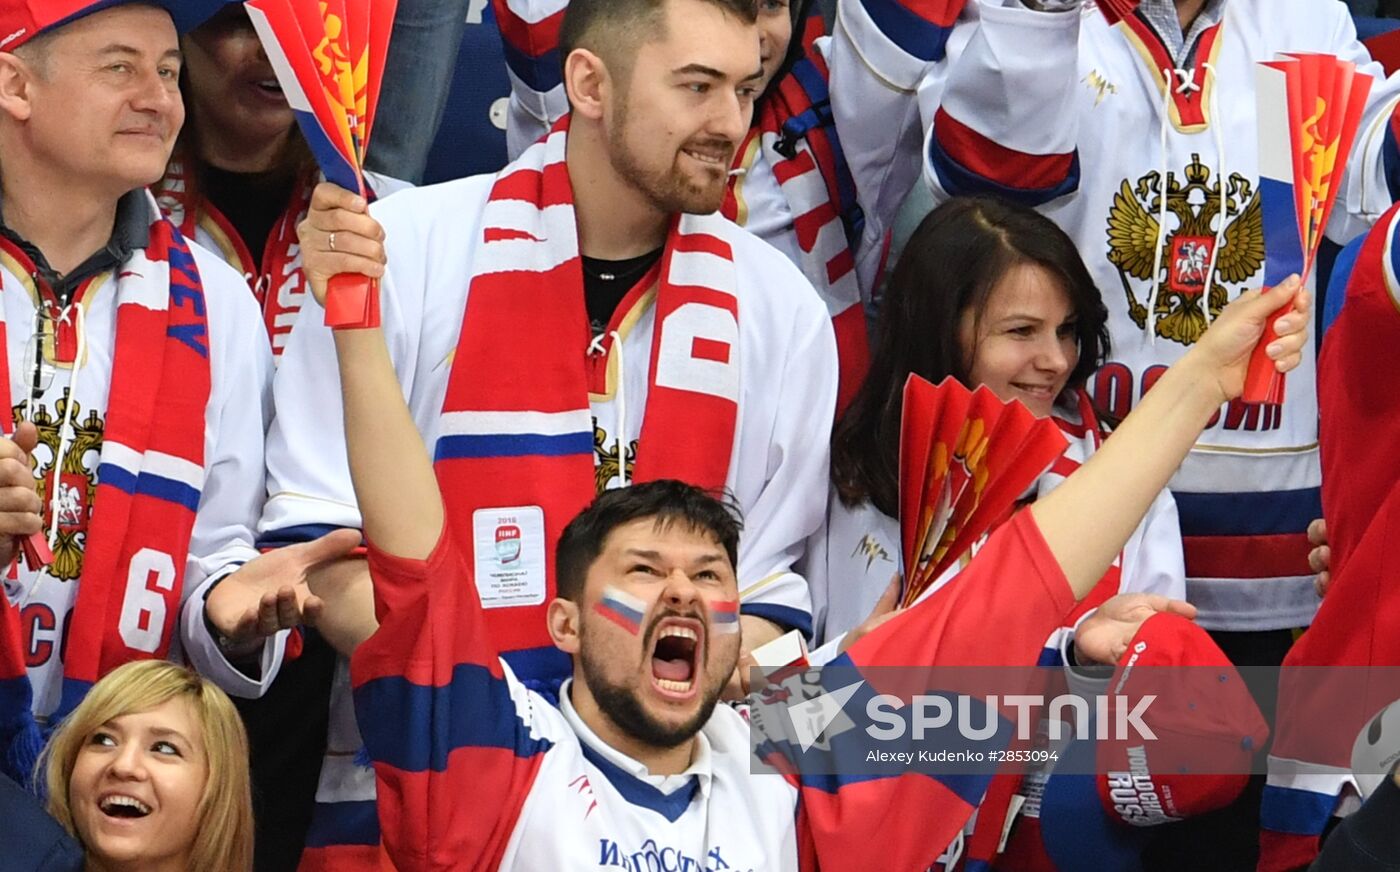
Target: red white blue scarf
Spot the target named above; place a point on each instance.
(797, 134)
(150, 477)
(277, 283)
(517, 428)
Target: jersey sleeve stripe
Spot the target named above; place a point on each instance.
(919, 28)
(1291, 810)
(966, 161)
(294, 535)
(531, 47)
(542, 74)
(415, 728)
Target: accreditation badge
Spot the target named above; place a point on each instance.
(509, 554)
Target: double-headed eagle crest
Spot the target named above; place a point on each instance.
(1133, 232)
(76, 481)
(607, 462)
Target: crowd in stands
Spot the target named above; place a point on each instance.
(479, 584)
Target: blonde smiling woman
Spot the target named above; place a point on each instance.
(150, 772)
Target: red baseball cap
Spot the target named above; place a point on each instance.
(22, 20)
(1208, 731)
(1207, 725)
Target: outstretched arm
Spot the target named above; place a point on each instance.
(439, 713)
(1086, 520)
(400, 504)
(389, 464)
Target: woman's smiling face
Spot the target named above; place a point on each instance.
(136, 788)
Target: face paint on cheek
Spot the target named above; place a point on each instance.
(622, 609)
(725, 616)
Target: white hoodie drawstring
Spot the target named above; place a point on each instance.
(1161, 207)
(1221, 177)
(620, 424)
(1187, 80)
(65, 431)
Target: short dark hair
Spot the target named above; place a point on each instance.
(613, 26)
(950, 265)
(666, 501)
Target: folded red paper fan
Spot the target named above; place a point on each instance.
(964, 458)
(329, 59)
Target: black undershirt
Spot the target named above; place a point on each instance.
(130, 232)
(606, 282)
(252, 202)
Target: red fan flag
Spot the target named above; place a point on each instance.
(35, 550)
(329, 59)
(957, 438)
(965, 457)
(1116, 10)
(1309, 108)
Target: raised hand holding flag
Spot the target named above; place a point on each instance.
(1310, 108)
(329, 59)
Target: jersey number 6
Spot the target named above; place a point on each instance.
(152, 574)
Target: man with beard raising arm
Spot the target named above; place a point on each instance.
(535, 385)
(636, 767)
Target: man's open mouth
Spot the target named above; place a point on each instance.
(674, 658)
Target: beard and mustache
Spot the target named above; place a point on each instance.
(623, 705)
(670, 190)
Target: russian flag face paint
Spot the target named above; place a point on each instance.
(622, 608)
(725, 616)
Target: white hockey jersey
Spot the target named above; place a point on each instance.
(1089, 122)
(231, 496)
(777, 471)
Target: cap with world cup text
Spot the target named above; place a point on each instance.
(1206, 730)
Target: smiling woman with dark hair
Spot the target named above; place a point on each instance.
(989, 293)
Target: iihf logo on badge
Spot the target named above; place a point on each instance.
(507, 544)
